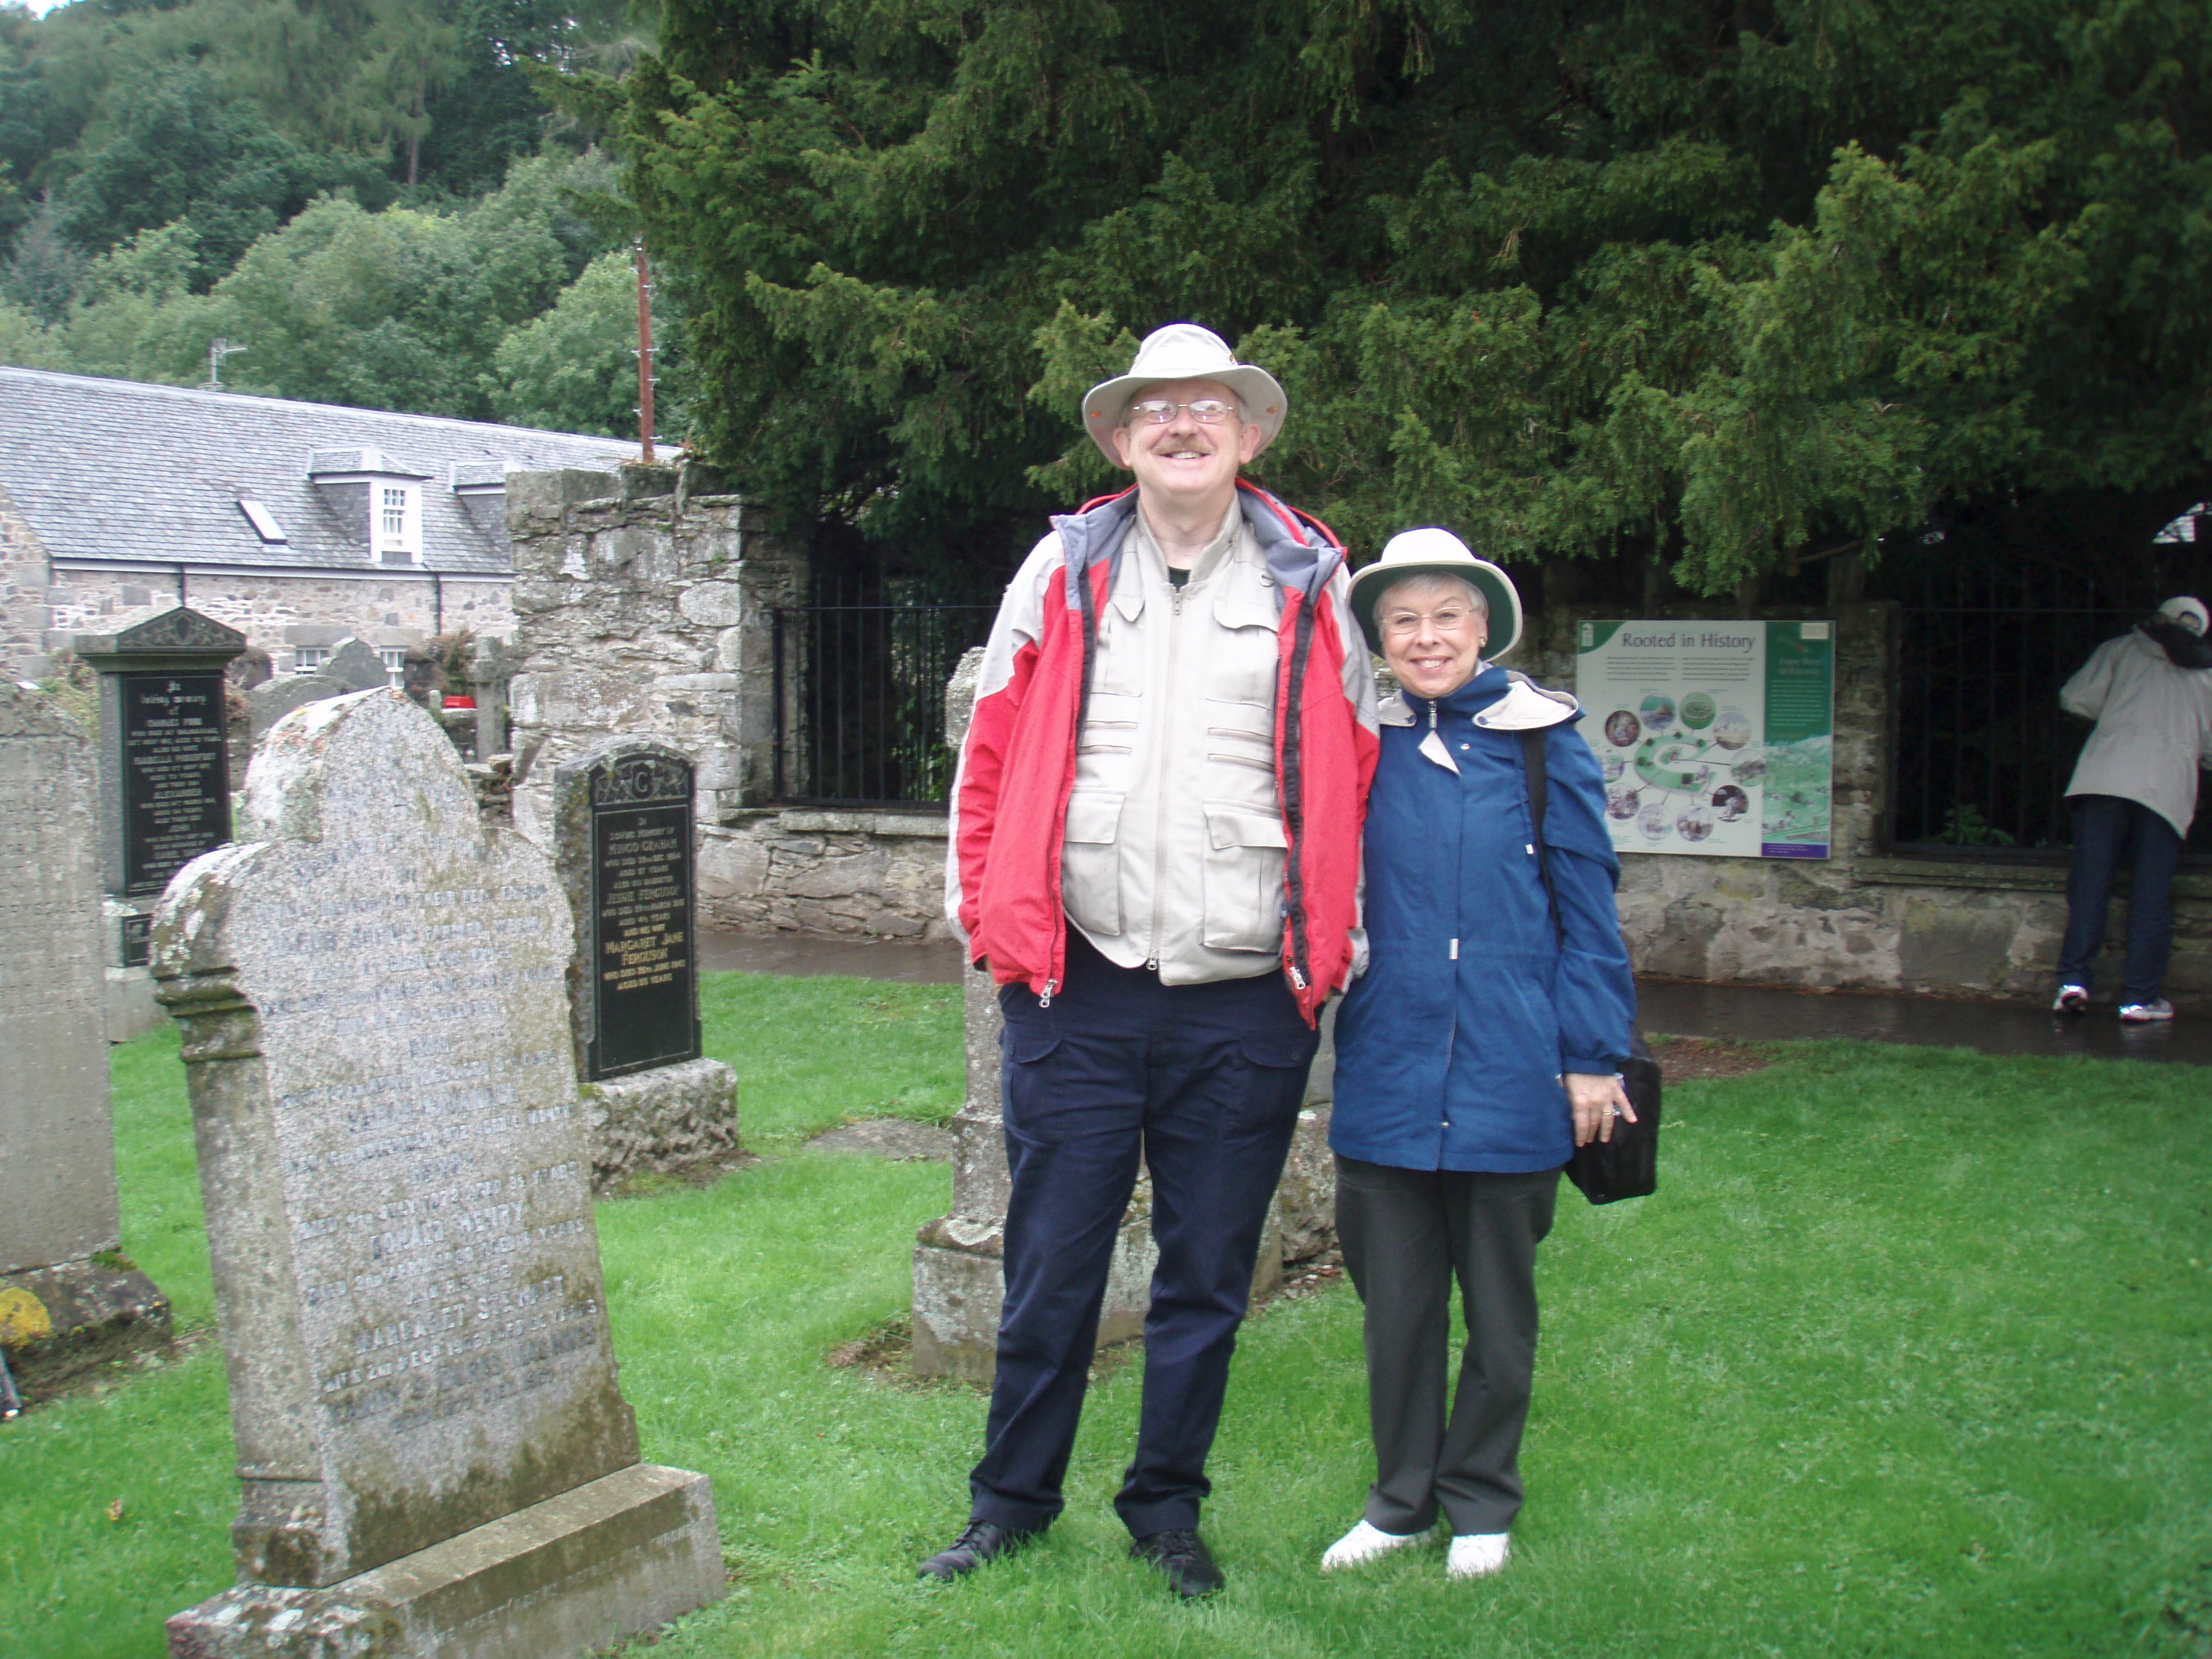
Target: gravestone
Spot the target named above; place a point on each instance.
(357, 665)
(164, 777)
(433, 1454)
(270, 702)
(623, 840)
(68, 1298)
(959, 1270)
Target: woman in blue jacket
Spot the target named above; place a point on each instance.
(1482, 1045)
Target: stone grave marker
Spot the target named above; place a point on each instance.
(164, 777)
(357, 665)
(271, 701)
(435, 1456)
(67, 1299)
(623, 841)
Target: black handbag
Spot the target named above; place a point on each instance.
(1626, 1166)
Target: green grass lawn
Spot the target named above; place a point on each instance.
(1912, 1355)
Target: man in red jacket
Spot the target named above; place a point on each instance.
(1155, 851)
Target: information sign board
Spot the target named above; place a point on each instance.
(1716, 738)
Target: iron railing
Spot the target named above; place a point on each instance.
(1983, 752)
(859, 700)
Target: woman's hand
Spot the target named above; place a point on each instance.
(1597, 1101)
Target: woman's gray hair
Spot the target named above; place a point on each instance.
(1429, 580)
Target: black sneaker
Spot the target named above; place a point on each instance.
(1181, 1554)
(979, 1541)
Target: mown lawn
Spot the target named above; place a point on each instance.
(1912, 1355)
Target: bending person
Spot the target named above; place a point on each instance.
(1481, 1047)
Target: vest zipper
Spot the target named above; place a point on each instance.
(1160, 827)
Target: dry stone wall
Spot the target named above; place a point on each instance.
(862, 875)
(642, 608)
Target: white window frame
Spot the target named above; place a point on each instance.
(395, 519)
(395, 663)
(307, 659)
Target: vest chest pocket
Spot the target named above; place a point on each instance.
(1091, 861)
(1243, 879)
(1242, 663)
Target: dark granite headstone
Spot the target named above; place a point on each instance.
(165, 769)
(639, 974)
(175, 774)
(623, 845)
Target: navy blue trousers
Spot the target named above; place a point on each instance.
(1202, 1083)
(2104, 828)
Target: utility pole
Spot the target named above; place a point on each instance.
(644, 356)
(218, 349)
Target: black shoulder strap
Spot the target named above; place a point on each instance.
(1533, 739)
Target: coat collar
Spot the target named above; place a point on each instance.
(1497, 699)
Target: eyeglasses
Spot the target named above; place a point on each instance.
(1446, 619)
(1159, 411)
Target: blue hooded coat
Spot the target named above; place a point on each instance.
(1450, 1049)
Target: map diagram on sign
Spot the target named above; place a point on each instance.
(1680, 779)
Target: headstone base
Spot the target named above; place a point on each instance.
(131, 1010)
(624, 1553)
(664, 1120)
(79, 1316)
(960, 1285)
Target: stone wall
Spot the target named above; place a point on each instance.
(22, 595)
(280, 612)
(642, 608)
(1863, 918)
(852, 874)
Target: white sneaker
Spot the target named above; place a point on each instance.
(1475, 1555)
(1363, 1544)
(2147, 1013)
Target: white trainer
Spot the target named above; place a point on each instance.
(1363, 1544)
(1475, 1555)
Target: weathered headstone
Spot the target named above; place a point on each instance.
(490, 668)
(357, 665)
(959, 1270)
(67, 1298)
(164, 776)
(623, 839)
(435, 1456)
(270, 702)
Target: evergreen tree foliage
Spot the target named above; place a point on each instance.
(185, 149)
(1726, 283)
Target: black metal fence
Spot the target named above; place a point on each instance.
(1984, 753)
(859, 699)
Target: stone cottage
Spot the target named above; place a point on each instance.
(300, 524)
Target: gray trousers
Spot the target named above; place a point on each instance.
(1407, 1235)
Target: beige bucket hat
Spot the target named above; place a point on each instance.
(1433, 552)
(1184, 351)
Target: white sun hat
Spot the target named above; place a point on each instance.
(1184, 351)
(1432, 552)
(2189, 612)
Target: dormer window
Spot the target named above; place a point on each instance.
(373, 501)
(398, 523)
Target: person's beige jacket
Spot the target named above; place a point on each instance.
(2154, 727)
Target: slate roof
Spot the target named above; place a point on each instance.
(126, 472)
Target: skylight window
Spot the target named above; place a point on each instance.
(262, 520)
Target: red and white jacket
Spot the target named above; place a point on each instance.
(1017, 765)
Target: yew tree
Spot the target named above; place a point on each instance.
(1726, 285)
